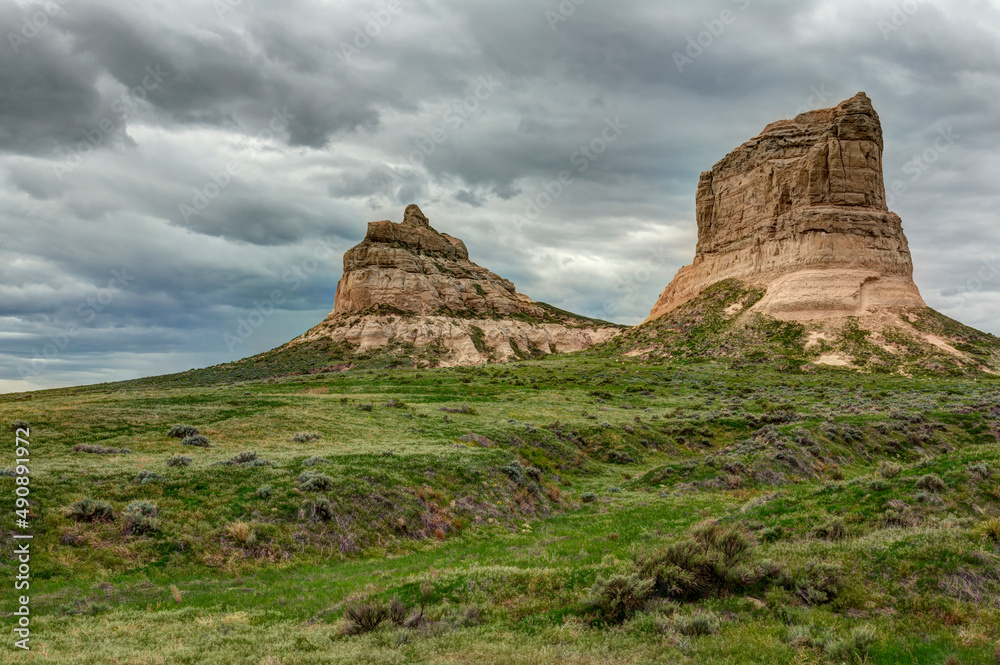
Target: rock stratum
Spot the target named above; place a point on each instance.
(799, 258)
(411, 290)
(801, 210)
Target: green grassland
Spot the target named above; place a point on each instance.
(575, 509)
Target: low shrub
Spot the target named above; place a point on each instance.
(397, 611)
(982, 470)
(852, 648)
(395, 404)
(18, 424)
(263, 492)
(364, 616)
(90, 510)
(314, 460)
(242, 533)
(878, 485)
(182, 431)
(464, 616)
(931, 482)
(814, 583)
(196, 440)
(770, 534)
(514, 472)
(588, 497)
(618, 597)
(141, 518)
(990, 529)
(619, 457)
(319, 510)
(699, 623)
(145, 477)
(832, 530)
(890, 469)
(366, 407)
(714, 558)
(178, 460)
(464, 409)
(247, 458)
(99, 450)
(314, 481)
(305, 437)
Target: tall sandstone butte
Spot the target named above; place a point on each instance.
(410, 288)
(801, 210)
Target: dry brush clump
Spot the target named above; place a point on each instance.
(182, 431)
(99, 450)
(617, 598)
(719, 560)
(247, 458)
(140, 518)
(196, 440)
(90, 510)
(364, 616)
(714, 559)
(314, 481)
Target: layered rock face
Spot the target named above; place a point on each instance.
(412, 267)
(801, 210)
(408, 286)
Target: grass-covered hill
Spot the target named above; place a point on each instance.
(574, 509)
(720, 325)
(322, 354)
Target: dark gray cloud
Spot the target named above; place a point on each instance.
(224, 155)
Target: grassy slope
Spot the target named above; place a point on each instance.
(662, 446)
(303, 358)
(702, 330)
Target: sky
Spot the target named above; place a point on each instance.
(172, 169)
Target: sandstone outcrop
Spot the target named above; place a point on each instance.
(412, 267)
(801, 210)
(408, 287)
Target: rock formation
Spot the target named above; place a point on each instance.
(801, 210)
(412, 267)
(793, 226)
(408, 286)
